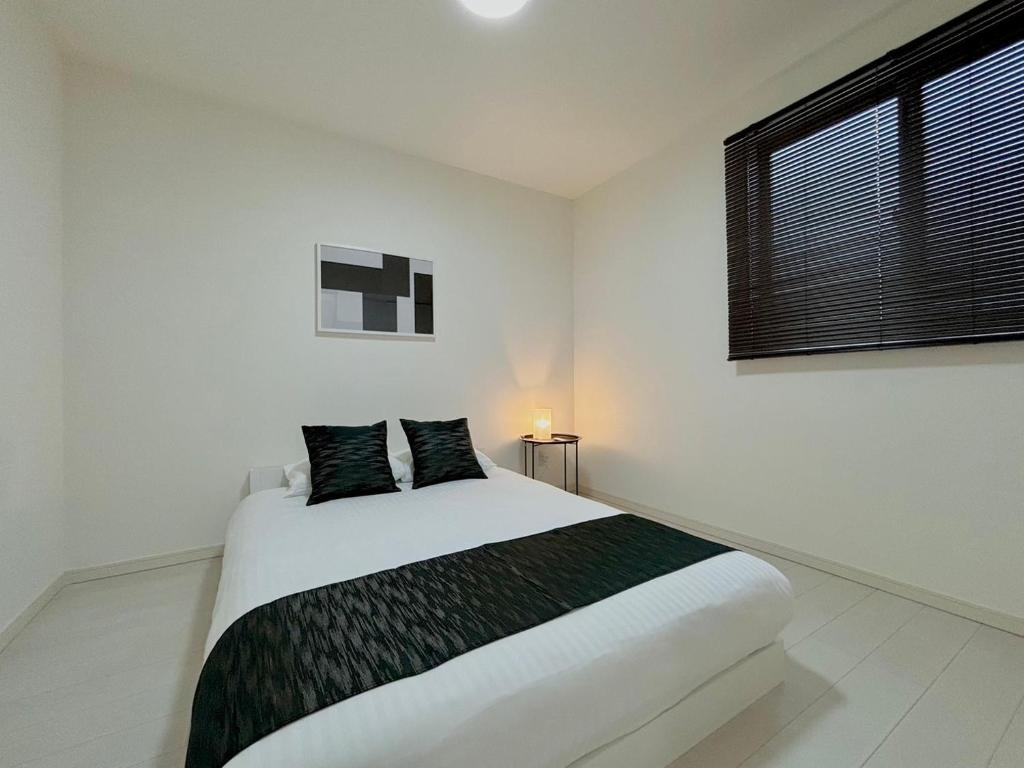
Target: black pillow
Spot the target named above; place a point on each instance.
(348, 461)
(441, 451)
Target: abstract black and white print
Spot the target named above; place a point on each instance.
(371, 292)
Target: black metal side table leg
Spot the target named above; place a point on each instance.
(577, 468)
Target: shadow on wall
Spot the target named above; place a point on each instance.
(989, 353)
(640, 473)
(532, 362)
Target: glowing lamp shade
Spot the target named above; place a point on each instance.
(494, 9)
(541, 423)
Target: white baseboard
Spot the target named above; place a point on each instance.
(980, 613)
(93, 572)
(79, 575)
(947, 603)
(9, 632)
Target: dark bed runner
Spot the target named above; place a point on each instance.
(303, 652)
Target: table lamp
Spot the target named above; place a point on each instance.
(541, 423)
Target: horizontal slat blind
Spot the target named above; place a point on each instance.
(886, 210)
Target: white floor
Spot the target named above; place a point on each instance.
(103, 678)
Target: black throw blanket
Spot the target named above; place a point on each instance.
(303, 652)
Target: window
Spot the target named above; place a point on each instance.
(886, 210)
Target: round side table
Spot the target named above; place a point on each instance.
(557, 438)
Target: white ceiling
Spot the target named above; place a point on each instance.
(559, 97)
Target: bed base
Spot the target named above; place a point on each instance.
(669, 735)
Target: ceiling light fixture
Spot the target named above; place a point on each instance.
(494, 9)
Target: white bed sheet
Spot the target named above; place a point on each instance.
(543, 697)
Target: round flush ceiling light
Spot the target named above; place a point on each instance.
(494, 9)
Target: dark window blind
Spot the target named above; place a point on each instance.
(887, 209)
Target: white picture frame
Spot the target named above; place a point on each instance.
(351, 300)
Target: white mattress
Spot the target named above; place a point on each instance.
(543, 697)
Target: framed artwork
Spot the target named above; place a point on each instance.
(369, 292)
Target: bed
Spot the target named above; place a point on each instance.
(633, 680)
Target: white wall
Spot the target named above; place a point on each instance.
(189, 305)
(31, 519)
(909, 464)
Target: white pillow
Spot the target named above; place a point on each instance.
(405, 457)
(298, 475)
(485, 461)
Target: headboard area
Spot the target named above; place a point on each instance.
(265, 478)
